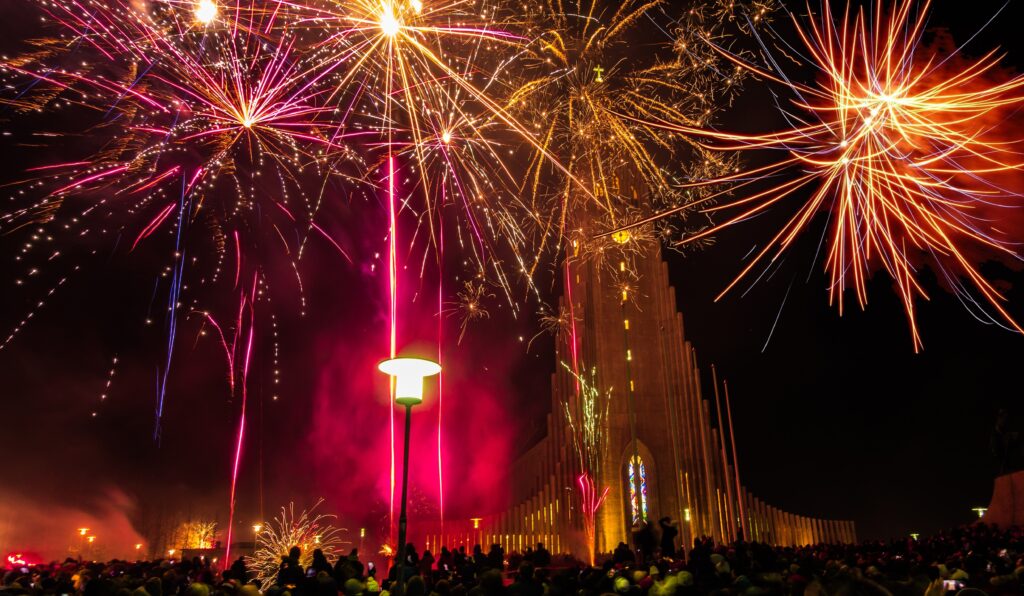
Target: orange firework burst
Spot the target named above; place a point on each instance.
(906, 150)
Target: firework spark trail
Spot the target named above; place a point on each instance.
(574, 345)
(587, 417)
(907, 151)
(440, 376)
(244, 331)
(392, 334)
(591, 499)
(173, 305)
(238, 446)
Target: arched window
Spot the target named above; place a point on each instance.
(638, 489)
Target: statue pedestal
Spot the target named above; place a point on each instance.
(1007, 506)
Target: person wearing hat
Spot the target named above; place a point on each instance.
(371, 581)
(352, 587)
(643, 540)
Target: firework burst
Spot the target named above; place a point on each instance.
(194, 534)
(555, 322)
(903, 145)
(582, 79)
(308, 531)
(419, 83)
(200, 125)
(470, 305)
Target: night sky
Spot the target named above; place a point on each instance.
(835, 417)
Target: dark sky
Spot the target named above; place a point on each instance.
(835, 417)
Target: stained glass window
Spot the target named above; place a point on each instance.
(638, 477)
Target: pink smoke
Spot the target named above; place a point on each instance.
(350, 427)
(50, 531)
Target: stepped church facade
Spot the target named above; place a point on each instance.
(668, 450)
(666, 444)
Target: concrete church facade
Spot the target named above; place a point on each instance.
(621, 322)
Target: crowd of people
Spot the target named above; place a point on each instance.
(972, 559)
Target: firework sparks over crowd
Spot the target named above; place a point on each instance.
(905, 147)
(309, 531)
(217, 135)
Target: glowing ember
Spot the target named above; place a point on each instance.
(206, 11)
(388, 23)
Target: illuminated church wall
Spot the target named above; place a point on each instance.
(638, 349)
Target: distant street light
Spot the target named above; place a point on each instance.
(476, 526)
(980, 511)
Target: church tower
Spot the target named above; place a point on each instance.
(663, 453)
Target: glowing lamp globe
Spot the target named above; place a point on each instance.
(409, 374)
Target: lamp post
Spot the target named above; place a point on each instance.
(478, 537)
(82, 533)
(408, 374)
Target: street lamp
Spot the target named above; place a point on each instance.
(476, 526)
(82, 532)
(408, 374)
